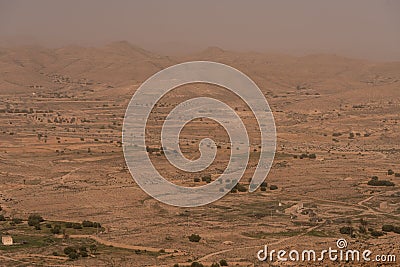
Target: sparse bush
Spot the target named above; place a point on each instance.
(215, 264)
(73, 256)
(396, 229)
(377, 233)
(196, 180)
(397, 174)
(84, 254)
(387, 228)
(2, 218)
(16, 220)
(87, 224)
(241, 188)
(34, 219)
(176, 265)
(196, 264)
(93, 248)
(194, 238)
(48, 225)
(56, 230)
(262, 188)
(76, 226)
(390, 172)
(273, 187)
(223, 263)
(376, 182)
(346, 230)
(69, 250)
(312, 156)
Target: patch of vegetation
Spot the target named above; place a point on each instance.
(194, 238)
(376, 182)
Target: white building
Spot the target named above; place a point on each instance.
(6, 240)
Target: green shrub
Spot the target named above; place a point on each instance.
(346, 230)
(93, 248)
(194, 238)
(2, 218)
(390, 172)
(56, 229)
(374, 182)
(273, 187)
(73, 256)
(76, 226)
(34, 219)
(387, 228)
(223, 263)
(241, 188)
(87, 224)
(377, 233)
(69, 250)
(16, 220)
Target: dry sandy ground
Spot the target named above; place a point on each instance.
(61, 156)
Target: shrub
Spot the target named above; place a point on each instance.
(176, 265)
(84, 254)
(396, 229)
(17, 220)
(223, 263)
(215, 264)
(87, 224)
(377, 233)
(387, 228)
(196, 180)
(262, 188)
(69, 250)
(73, 256)
(76, 226)
(264, 184)
(196, 264)
(346, 230)
(273, 187)
(241, 188)
(2, 218)
(68, 225)
(48, 225)
(397, 174)
(37, 227)
(376, 182)
(390, 172)
(194, 238)
(34, 219)
(93, 248)
(312, 156)
(56, 229)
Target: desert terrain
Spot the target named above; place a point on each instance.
(61, 116)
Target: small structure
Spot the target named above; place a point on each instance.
(7, 240)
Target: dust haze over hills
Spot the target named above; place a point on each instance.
(121, 65)
(361, 28)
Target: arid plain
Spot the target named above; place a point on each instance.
(61, 115)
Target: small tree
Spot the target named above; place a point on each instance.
(223, 263)
(194, 238)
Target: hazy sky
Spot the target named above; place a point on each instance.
(358, 28)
